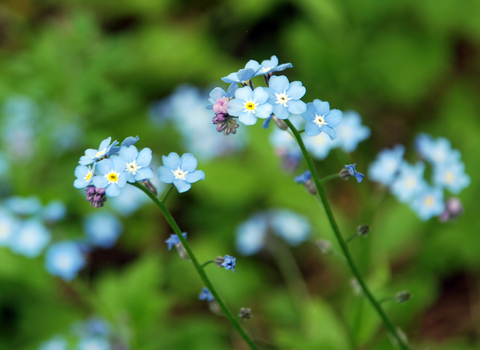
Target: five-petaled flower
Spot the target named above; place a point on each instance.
(137, 163)
(320, 118)
(93, 155)
(111, 175)
(249, 105)
(180, 171)
(285, 96)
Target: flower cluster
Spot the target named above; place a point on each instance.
(252, 234)
(406, 181)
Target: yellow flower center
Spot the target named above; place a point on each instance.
(89, 176)
(112, 176)
(411, 182)
(449, 177)
(429, 200)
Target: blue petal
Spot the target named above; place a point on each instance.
(334, 118)
(104, 166)
(359, 177)
(128, 153)
(296, 91)
(100, 181)
(245, 75)
(165, 175)
(217, 93)
(264, 111)
(112, 190)
(235, 107)
(322, 107)
(80, 183)
(104, 144)
(280, 111)
(297, 107)
(81, 171)
(119, 163)
(329, 131)
(309, 114)
(129, 141)
(144, 157)
(182, 185)
(245, 93)
(247, 118)
(144, 174)
(231, 78)
(311, 129)
(279, 84)
(260, 95)
(195, 176)
(172, 161)
(122, 179)
(252, 64)
(266, 123)
(189, 162)
(231, 90)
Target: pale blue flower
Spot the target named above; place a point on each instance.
(180, 171)
(436, 151)
(409, 182)
(428, 203)
(137, 163)
(102, 229)
(217, 93)
(84, 175)
(269, 66)
(350, 132)
(252, 235)
(56, 343)
(320, 118)
(173, 240)
(94, 343)
(451, 175)
(93, 155)
(319, 146)
(111, 175)
(386, 165)
(206, 295)
(54, 211)
(23, 205)
(249, 105)
(31, 238)
(290, 226)
(9, 226)
(64, 259)
(285, 96)
(240, 77)
(353, 172)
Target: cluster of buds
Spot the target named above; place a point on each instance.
(96, 196)
(225, 123)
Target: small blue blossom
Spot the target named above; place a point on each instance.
(252, 234)
(24, 205)
(94, 326)
(31, 238)
(54, 211)
(64, 260)
(180, 171)
(428, 203)
(320, 118)
(111, 175)
(84, 176)
(249, 105)
(241, 77)
(93, 155)
(217, 93)
(56, 343)
(319, 146)
(137, 163)
(451, 175)
(290, 226)
(351, 132)
(229, 263)
(206, 295)
(102, 229)
(435, 151)
(270, 66)
(9, 226)
(306, 176)
(385, 167)
(409, 182)
(173, 240)
(130, 200)
(94, 343)
(353, 172)
(285, 96)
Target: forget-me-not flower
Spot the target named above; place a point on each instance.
(54, 211)
(31, 238)
(351, 132)
(93, 155)
(249, 105)
(111, 175)
(351, 170)
(285, 96)
(240, 77)
(219, 93)
(173, 240)
(319, 146)
(227, 261)
(409, 181)
(252, 234)
(206, 295)
(385, 167)
(268, 66)
(84, 175)
(64, 260)
(292, 227)
(180, 171)
(428, 203)
(137, 163)
(436, 151)
(451, 175)
(102, 229)
(23, 205)
(320, 118)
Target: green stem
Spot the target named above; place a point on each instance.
(207, 263)
(165, 197)
(171, 221)
(346, 252)
(329, 177)
(351, 237)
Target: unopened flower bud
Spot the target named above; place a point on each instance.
(96, 196)
(228, 262)
(453, 209)
(182, 251)
(280, 123)
(325, 246)
(245, 313)
(363, 230)
(306, 180)
(350, 171)
(150, 186)
(403, 297)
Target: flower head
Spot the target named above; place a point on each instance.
(249, 105)
(228, 262)
(252, 234)
(241, 77)
(320, 118)
(351, 132)
(352, 172)
(292, 227)
(64, 260)
(409, 181)
(102, 229)
(285, 97)
(93, 155)
(320, 145)
(428, 203)
(180, 171)
(111, 175)
(271, 66)
(173, 240)
(206, 295)
(385, 167)
(220, 94)
(304, 177)
(31, 239)
(451, 175)
(137, 163)
(435, 151)
(84, 176)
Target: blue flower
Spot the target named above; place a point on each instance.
(54, 211)
(102, 229)
(9, 226)
(451, 175)
(240, 77)
(252, 234)
(84, 176)
(428, 203)
(351, 131)
(353, 172)
(385, 167)
(31, 239)
(319, 146)
(249, 105)
(111, 175)
(173, 240)
(56, 343)
(94, 343)
(206, 295)
(129, 141)
(229, 263)
(217, 93)
(409, 182)
(23, 205)
(64, 260)
(270, 66)
(137, 164)
(180, 171)
(435, 151)
(306, 176)
(320, 118)
(290, 226)
(93, 155)
(285, 96)
(131, 199)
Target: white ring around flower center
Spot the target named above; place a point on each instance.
(112, 176)
(179, 174)
(249, 106)
(282, 99)
(100, 153)
(320, 120)
(132, 167)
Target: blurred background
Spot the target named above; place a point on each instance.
(75, 72)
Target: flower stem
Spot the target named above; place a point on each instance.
(165, 197)
(207, 263)
(329, 177)
(351, 237)
(226, 311)
(343, 245)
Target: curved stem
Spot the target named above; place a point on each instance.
(165, 197)
(329, 177)
(346, 252)
(226, 311)
(207, 263)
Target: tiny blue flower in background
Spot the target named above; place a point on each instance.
(111, 175)
(206, 295)
(94, 343)
(306, 176)
(137, 163)
(435, 151)
(180, 171)
(229, 263)
(386, 165)
(285, 97)
(54, 211)
(9, 226)
(217, 93)
(451, 175)
(428, 203)
(249, 105)
(271, 66)
(130, 200)
(240, 77)
(31, 238)
(173, 240)
(353, 172)
(320, 118)
(102, 229)
(84, 176)
(319, 146)
(252, 235)
(94, 326)
(350, 132)
(56, 343)
(23, 205)
(409, 182)
(290, 226)
(64, 260)
(93, 155)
